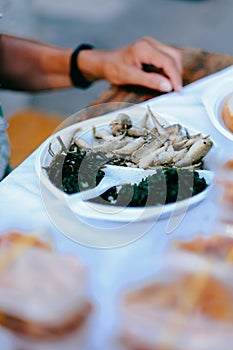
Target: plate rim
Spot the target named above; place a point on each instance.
(213, 104)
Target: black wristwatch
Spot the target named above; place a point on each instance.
(76, 75)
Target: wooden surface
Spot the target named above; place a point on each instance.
(197, 64)
(28, 129)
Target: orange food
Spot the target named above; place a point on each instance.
(37, 330)
(43, 293)
(216, 246)
(13, 237)
(214, 300)
(174, 308)
(227, 112)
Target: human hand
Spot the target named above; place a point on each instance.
(125, 65)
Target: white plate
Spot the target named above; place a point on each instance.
(213, 100)
(106, 212)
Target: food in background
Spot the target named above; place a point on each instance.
(32, 240)
(43, 293)
(190, 311)
(227, 112)
(224, 184)
(220, 247)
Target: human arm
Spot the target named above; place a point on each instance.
(124, 66)
(30, 65)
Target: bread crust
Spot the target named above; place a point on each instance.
(36, 330)
(227, 113)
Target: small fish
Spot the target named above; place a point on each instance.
(121, 123)
(110, 146)
(146, 161)
(137, 131)
(142, 123)
(105, 135)
(163, 158)
(160, 128)
(131, 146)
(81, 143)
(196, 152)
(155, 143)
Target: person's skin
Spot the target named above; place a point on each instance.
(29, 65)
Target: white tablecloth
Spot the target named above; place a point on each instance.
(22, 208)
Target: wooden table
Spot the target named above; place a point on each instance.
(197, 64)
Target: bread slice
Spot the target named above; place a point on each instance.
(227, 112)
(43, 293)
(159, 315)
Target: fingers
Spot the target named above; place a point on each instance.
(153, 81)
(175, 53)
(152, 52)
(125, 65)
(168, 64)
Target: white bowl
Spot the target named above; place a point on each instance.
(106, 212)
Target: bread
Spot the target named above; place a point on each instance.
(227, 112)
(43, 293)
(160, 316)
(218, 247)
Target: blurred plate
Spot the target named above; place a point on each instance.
(213, 100)
(106, 212)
